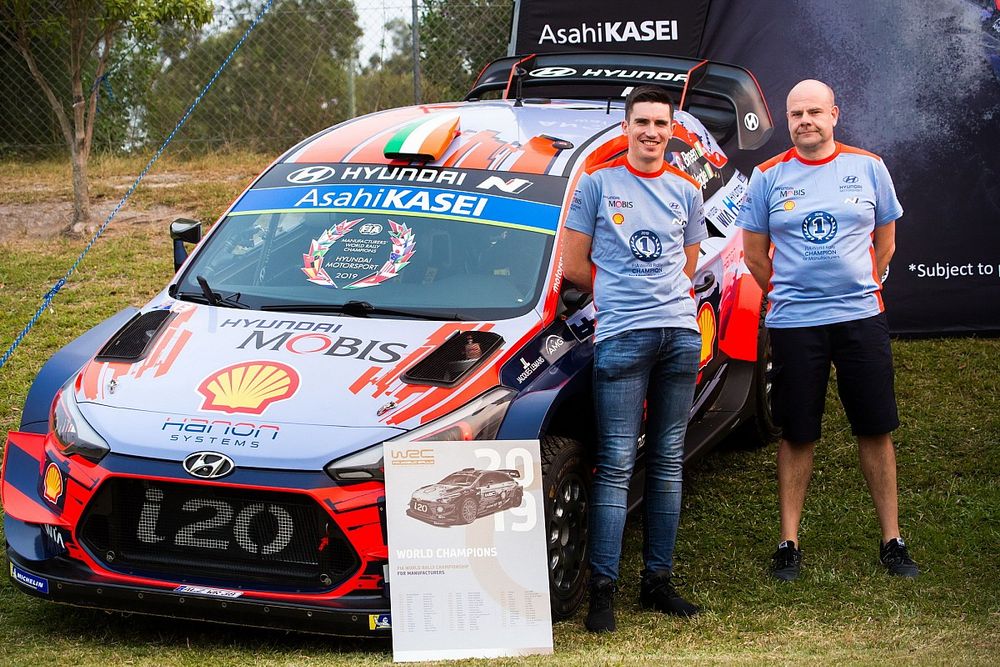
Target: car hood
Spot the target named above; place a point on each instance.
(277, 390)
(435, 491)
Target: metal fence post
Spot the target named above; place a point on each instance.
(416, 52)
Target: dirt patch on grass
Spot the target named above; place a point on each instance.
(46, 220)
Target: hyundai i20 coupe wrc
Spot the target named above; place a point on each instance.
(465, 495)
(217, 453)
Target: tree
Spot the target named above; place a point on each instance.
(91, 30)
(452, 53)
(287, 82)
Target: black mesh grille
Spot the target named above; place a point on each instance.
(229, 535)
(454, 359)
(132, 342)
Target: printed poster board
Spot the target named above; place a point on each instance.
(468, 571)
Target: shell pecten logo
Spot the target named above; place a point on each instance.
(248, 387)
(706, 324)
(53, 487)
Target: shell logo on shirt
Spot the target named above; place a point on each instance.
(248, 387)
(618, 218)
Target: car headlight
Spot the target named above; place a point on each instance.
(72, 433)
(479, 419)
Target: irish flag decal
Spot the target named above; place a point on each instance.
(424, 140)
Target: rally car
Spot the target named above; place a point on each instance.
(465, 495)
(217, 453)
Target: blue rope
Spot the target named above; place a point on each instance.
(51, 294)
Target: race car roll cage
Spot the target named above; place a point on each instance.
(703, 84)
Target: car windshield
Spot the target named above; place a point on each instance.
(460, 479)
(376, 263)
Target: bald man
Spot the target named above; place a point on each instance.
(829, 211)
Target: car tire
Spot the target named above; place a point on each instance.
(468, 511)
(566, 485)
(765, 429)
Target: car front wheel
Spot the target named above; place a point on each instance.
(566, 485)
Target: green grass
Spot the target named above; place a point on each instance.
(843, 610)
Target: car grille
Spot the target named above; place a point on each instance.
(228, 535)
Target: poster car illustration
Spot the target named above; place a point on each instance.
(217, 453)
(465, 495)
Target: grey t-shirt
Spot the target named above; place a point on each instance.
(639, 224)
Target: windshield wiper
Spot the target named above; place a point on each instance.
(356, 308)
(210, 297)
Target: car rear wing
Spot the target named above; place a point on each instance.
(726, 94)
(513, 472)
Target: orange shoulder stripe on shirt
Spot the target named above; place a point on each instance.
(844, 148)
(617, 162)
(776, 160)
(687, 177)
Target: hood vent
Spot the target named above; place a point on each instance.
(133, 341)
(454, 359)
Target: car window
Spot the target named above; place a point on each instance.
(460, 479)
(477, 270)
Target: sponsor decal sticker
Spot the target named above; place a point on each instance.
(529, 368)
(609, 32)
(310, 175)
(379, 621)
(511, 186)
(205, 590)
(248, 387)
(52, 487)
(819, 227)
(707, 327)
(618, 218)
(751, 121)
(789, 205)
(39, 584)
(55, 535)
(554, 347)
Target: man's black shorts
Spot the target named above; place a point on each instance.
(860, 351)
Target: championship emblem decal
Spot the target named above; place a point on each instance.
(248, 387)
(359, 265)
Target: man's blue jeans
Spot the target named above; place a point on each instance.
(661, 365)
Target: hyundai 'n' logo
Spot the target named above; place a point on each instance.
(309, 175)
(209, 465)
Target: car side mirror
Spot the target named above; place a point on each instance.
(183, 230)
(574, 299)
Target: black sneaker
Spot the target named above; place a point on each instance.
(786, 562)
(657, 592)
(896, 559)
(601, 616)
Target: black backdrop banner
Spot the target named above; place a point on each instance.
(918, 83)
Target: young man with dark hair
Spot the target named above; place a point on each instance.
(632, 237)
(830, 212)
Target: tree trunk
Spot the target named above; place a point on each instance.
(80, 224)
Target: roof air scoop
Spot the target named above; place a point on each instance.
(425, 140)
